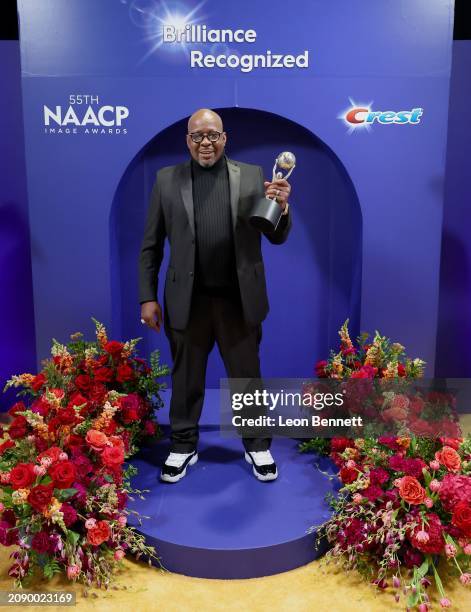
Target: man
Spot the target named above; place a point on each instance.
(215, 284)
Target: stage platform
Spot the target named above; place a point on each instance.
(219, 521)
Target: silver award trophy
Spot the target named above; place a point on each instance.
(266, 213)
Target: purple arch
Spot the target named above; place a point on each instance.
(314, 280)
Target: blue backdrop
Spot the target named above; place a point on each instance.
(367, 204)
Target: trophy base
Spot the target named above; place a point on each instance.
(266, 215)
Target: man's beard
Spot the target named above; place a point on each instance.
(207, 163)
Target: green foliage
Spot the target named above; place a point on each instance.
(424, 448)
(55, 379)
(321, 446)
(51, 568)
(149, 384)
(72, 537)
(64, 494)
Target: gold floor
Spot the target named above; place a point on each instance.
(314, 587)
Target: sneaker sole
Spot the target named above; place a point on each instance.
(167, 478)
(260, 477)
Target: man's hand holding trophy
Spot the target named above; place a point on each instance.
(267, 212)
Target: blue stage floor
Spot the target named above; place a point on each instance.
(219, 521)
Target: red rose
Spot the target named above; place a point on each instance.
(76, 441)
(401, 370)
(53, 453)
(67, 416)
(453, 442)
(348, 475)
(82, 382)
(114, 348)
(5, 446)
(338, 445)
(99, 533)
(365, 371)
(96, 439)
(37, 382)
(449, 458)
(416, 405)
(104, 375)
(77, 399)
(63, 474)
(420, 427)
(110, 428)
(124, 373)
(22, 476)
(18, 407)
(97, 393)
(40, 497)
(462, 517)
(41, 406)
(129, 415)
(319, 369)
(411, 490)
(18, 427)
(112, 456)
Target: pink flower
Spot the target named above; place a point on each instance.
(122, 520)
(2, 507)
(422, 536)
(46, 461)
(428, 502)
(350, 464)
(396, 582)
(435, 485)
(450, 550)
(118, 554)
(357, 498)
(4, 477)
(90, 523)
(434, 464)
(445, 602)
(73, 571)
(465, 578)
(39, 470)
(467, 549)
(454, 489)
(63, 456)
(423, 607)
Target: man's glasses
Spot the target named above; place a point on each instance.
(198, 137)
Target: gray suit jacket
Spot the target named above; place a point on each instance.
(171, 215)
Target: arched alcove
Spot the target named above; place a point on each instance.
(314, 279)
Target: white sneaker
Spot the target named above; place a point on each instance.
(264, 466)
(174, 468)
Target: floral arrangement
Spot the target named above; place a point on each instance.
(64, 483)
(403, 512)
(380, 358)
(382, 384)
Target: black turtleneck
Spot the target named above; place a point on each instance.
(215, 258)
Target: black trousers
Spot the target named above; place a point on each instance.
(216, 317)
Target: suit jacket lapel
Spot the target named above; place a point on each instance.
(187, 194)
(234, 187)
(187, 191)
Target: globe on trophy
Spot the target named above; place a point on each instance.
(266, 213)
